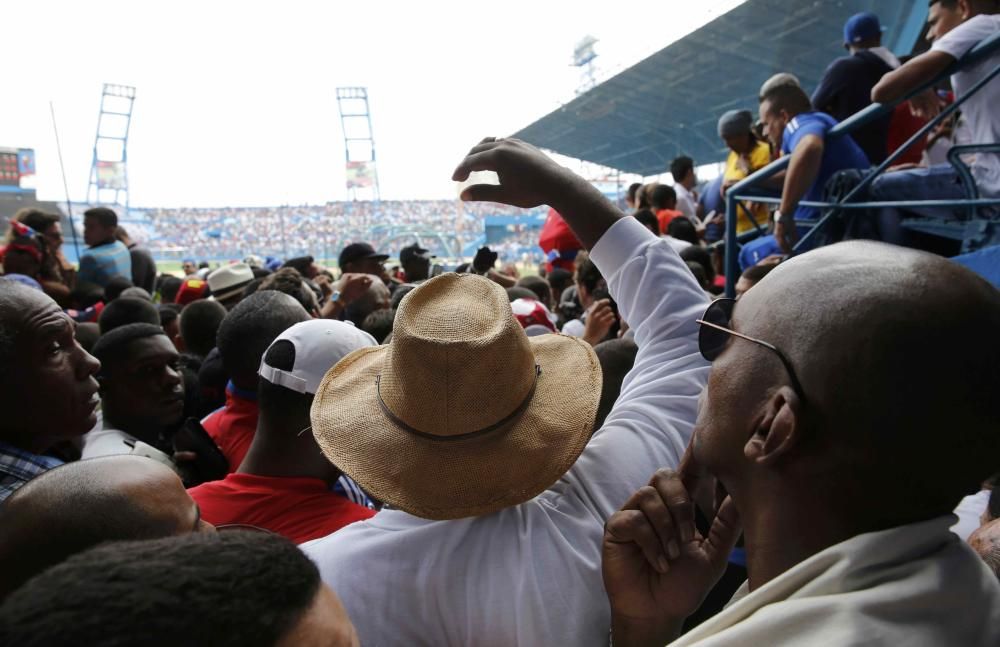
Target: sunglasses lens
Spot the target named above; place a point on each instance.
(712, 341)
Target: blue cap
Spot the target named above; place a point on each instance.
(861, 27)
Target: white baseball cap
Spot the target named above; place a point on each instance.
(319, 345)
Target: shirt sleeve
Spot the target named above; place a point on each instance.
(833, 81)
(798, 128)
(651, 423)
(961, 39)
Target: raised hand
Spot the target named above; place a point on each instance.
(657, 567)
(528, 177)
(600, 318)
(353, 286)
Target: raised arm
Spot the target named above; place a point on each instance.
(651, 423)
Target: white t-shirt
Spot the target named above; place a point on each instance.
(686, 202)
(531, 574)
(574, 328)
(980, 111)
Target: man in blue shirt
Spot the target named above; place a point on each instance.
(105, 257)
(796, 130)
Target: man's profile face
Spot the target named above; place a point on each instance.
(50, 392)
(418, 268)
(941, 20)
(146, 385)
(774, 122)
(189, 268)
(94, 233)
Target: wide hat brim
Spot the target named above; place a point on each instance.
(451, 479)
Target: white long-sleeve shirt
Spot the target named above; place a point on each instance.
(531, 574)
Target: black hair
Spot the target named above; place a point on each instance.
(699, 273)
(700, 255)
(290, 281)
(559, 279)
(36, 219)
(249, 329)
(379, 324)
(539, 286)
(756, 272)
(113, 346)
(200, 321)
(252, 286)
(169, 288)
(300, 263)
(994, 503)
(234, 588)
(103, 215)
(262, 272)
(683, 229)
(115, 286)
(632, 189)
(648, 220)
(518, 292)
(616, 356)
(663, 196)
(169, 313)
(401, 291)
(680, 167)
(587, 273)
(127, 310)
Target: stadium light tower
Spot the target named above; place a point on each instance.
(359, 143)
(109, 169)
(583, 59)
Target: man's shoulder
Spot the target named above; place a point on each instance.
(810, 123)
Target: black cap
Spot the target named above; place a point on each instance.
(409, 252)
(357, 252)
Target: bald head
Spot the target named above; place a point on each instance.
(899, 357)
(78, 505)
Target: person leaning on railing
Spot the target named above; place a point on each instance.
(955, 27)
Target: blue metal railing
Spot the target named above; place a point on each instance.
(745, 189)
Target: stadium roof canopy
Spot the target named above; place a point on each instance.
(669, 103)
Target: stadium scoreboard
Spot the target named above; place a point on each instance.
(15, 164)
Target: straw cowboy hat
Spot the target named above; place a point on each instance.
(462, 414)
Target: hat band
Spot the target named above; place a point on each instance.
(472, 434)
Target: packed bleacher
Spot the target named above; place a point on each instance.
(617, 450)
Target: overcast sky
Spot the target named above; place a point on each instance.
(236, 101)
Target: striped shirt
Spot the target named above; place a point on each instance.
(17, 467)
(102, 262)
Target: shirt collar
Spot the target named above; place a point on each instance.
(24, 465)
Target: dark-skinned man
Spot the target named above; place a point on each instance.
(416, 263)
(843, 453)
(494, 537)
(106, 257)
(78, 505)
(48, 389)
(142, 391)
(796, 130)
(284, 484)
(954, 27)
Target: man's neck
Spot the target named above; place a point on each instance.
(286, 453)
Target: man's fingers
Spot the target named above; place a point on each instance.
(724, 533)
(655, 509)
(632, 526)
(690, 471)
(481, 161)
(678, 502)
(483, 193)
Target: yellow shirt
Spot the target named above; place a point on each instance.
(738, 168)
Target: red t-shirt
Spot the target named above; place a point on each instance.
(301, 509)
(233, 426)
(664, 216)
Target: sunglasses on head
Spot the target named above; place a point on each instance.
(715, 333)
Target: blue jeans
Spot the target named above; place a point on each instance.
(934, 183)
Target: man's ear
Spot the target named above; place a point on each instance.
(779, 430)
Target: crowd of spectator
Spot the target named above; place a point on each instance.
(270, 453)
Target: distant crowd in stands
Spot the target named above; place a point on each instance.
(269, 453)
(230, 233)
